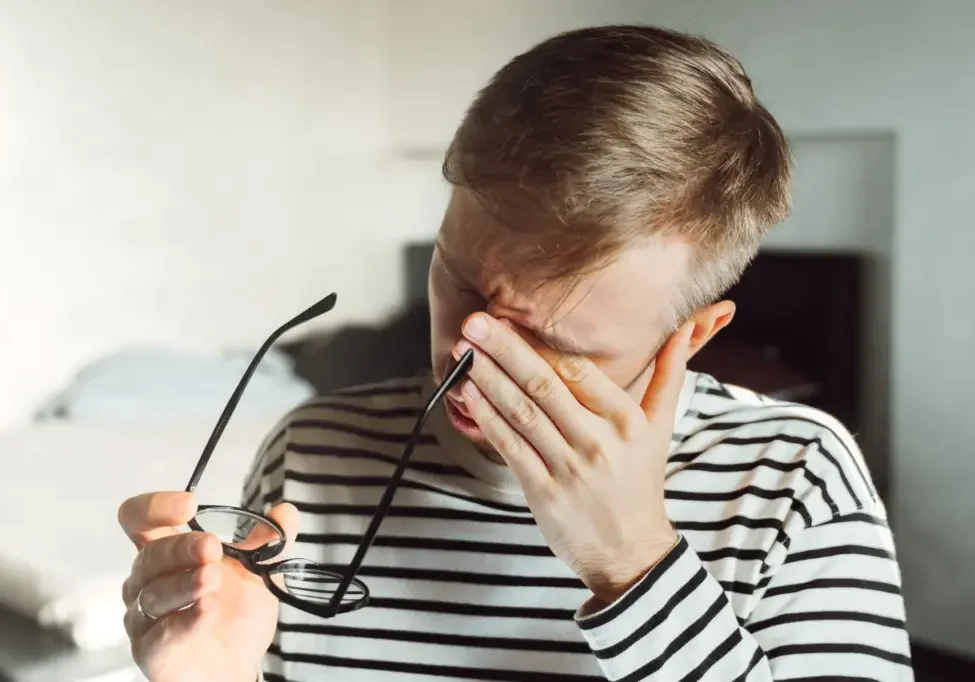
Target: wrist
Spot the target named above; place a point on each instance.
(608, 585)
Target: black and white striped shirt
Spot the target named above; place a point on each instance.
(785, 569)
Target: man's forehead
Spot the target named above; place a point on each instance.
(473, 236)
(606, 308)
(474, 232)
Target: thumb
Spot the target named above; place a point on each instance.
(286, 515)
(663, 392)
(256, 534)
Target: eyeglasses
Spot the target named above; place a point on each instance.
(254, 539)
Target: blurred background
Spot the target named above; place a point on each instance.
(178, 178)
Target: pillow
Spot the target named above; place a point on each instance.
(162, 384)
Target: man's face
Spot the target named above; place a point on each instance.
(614, 316)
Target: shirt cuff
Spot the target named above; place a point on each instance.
(639, 631)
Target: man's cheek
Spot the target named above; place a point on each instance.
(529, 338)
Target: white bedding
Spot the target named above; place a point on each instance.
(63, 556)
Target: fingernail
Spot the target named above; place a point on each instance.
(470, 391)
(476, 328)
(184, 506)
(461, 348)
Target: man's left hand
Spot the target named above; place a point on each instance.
(591, 461)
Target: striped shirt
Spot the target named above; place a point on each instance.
(785, 568)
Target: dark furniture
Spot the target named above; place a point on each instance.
(797, 333)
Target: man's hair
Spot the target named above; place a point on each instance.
(599, 137)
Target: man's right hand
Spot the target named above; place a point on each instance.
(209, 619)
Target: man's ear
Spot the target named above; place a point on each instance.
(707, 322)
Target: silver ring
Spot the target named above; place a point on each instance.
(141, 609)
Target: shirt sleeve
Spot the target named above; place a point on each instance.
(832, 610)
(262, 486)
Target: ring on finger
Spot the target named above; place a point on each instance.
(142, 609)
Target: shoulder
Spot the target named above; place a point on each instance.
(797, 445)
(359, 427)
(380, 405)
(379, 411)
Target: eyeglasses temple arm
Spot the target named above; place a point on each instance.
(461, 369)
(320, 308)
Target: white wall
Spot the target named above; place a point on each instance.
(188, 173)
(161, 163)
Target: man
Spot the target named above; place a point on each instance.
(582, 507)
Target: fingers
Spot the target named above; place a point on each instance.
(286, 515)
(593, 389)
(171, 593)
(178, 590)
(527, 416)
(151, 516)
(663, 393)
(517, 452)
(557, 382)
(523, 363)
(170, 554)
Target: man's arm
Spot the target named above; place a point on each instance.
(833, 610)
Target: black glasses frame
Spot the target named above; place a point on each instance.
(254, 559)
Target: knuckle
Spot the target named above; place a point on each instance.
(159, 555)
(593, 450)
(572, 468)
(540, 387)
(130, 623)
(127, 591)
(623, 420)
(573, 368)
(510, 445)
(524, 413)
(142, 558)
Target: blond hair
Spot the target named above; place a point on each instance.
(602, 136)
